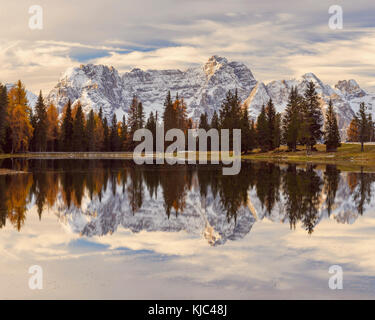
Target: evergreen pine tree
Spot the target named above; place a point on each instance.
(151, 125)
(331, 134)
(203, 122)
(313, 115)
(90, 131)
(247, 137)
(41, 125)
(114, 137)
(262, 130)
(3, 116)
(215, 123)
(291, 120)
(140, 116)
(106, 134)
(78, 130)
(271, 124)
(277, 138)
(124, 134)
(67, 129)
(169, 114)
(362, 121)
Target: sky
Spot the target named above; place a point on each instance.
(275, 39)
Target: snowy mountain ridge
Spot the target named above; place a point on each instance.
(203, 88)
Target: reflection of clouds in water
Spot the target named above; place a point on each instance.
(297, 266)
(131, 249)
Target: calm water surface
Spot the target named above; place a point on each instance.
(111, 229)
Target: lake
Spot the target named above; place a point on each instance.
(111, 229)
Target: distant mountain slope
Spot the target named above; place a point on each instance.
(202, 87)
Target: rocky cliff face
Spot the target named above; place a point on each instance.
(202, 87)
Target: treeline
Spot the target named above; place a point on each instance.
(301, 124)
(42, 129)
(362, 127)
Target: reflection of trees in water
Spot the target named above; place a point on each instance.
(362, 192)
(331, 183)
(268, 179)
(302, 188)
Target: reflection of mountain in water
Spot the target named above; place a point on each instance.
(96, 198)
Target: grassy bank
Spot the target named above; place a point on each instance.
(347, 154)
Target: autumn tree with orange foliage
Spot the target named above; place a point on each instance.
(18, 118)
(52, 127)
(353, 131)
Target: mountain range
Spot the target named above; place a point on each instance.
(203, 88)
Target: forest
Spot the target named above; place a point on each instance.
(44, 129)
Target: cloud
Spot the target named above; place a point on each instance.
(276, 40)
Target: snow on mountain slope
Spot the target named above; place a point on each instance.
(94, 86)
(203, 88)
(346, 97)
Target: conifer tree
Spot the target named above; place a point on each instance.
(291, 121)
(140, 116)
(78, 129)
(181, 113)
(230, 114)
(271, 124)
(151, 125)
(353, 131)
(52, 128)
(277, 133)
(133, 116)
(215, 123)
(106, 136)
(90, 131)
(371, 129)
(331, 134)
(41, 125)
(3, 116)
(247, 134)
(203, 122)
(363, 125)
(114, 135)
(169, 114)
(262, 130)
(313, 115)
(18, 119)
(67, 129)
(124, 134)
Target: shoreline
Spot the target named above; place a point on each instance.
(348, 155)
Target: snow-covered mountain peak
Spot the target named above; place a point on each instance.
(350, 89)
(213, 64)
(203, 88)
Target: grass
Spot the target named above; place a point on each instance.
(348, 155)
